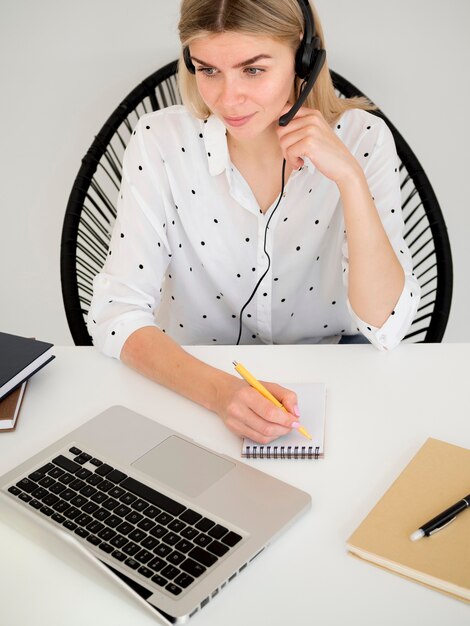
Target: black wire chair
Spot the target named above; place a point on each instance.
(91, 212)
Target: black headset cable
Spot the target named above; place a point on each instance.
(265, 252)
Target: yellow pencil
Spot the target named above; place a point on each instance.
(251, 380)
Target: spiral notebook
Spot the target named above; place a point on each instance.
(312, 402)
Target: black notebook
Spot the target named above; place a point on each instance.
(312, 401)
(20, 358)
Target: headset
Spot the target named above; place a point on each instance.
(309, 60)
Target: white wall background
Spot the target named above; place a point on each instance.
(65, 66)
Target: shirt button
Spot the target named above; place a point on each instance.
(104, 282)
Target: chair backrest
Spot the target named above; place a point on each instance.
(91, 211)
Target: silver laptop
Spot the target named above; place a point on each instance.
(174, 520)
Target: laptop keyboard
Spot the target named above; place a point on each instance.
(144, 530)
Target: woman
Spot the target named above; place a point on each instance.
(212, 245)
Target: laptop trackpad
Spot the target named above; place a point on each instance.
(183, 466)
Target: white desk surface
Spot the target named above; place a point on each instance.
(381, 407)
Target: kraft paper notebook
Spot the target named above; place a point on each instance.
(311, 401)
(10, 408)
(436, 478)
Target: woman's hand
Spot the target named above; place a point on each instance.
(309, 135)
(249, 414)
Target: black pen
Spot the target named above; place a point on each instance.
(441, 520)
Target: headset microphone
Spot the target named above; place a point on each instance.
(307, 86)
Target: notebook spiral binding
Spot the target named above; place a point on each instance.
(282, 452)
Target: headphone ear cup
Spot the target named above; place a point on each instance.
(306, 57)
(304, 60)
(187, 60)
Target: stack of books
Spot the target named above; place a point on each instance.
(20, 358)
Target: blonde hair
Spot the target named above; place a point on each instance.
(280, 19)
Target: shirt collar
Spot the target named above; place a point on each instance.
(215, 141)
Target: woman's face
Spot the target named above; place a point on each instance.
(245, 80)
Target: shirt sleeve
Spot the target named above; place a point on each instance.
(127, 291)
(381, 167)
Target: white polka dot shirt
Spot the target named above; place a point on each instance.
(188, 245)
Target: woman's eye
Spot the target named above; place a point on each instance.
(253, 71)
(207, 71)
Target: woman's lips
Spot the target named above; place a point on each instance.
(237, 121)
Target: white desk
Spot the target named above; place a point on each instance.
(380, 409)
